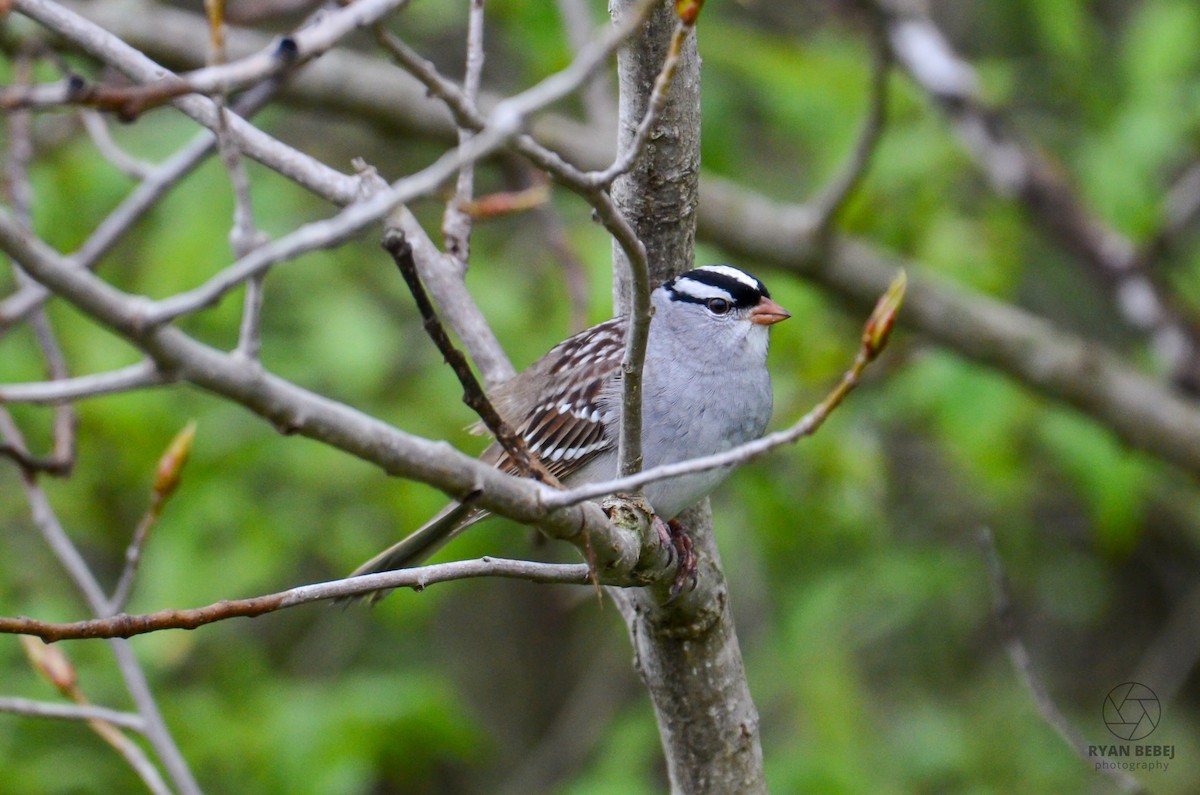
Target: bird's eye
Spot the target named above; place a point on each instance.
(718, 306)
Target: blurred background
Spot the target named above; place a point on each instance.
(859, 590)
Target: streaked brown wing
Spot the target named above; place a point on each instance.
(566, 428)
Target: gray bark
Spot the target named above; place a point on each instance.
(687, 652)
(688, 657)
(660, 193)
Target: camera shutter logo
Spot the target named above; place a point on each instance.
(1131, 711)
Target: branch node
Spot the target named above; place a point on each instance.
(287, 51)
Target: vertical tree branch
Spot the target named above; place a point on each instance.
(686, 652)
(657, 195)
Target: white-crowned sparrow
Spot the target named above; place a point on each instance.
(705, 388)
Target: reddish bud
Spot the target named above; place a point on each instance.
(879, 325)
(166, 479)
(688, 11)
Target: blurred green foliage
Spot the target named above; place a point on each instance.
(862, 602)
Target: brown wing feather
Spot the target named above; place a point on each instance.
(565, 424)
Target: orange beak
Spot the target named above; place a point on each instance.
(768, 313)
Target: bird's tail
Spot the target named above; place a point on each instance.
(418, 545)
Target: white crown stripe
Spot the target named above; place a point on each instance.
(701, 290)
(733, 273)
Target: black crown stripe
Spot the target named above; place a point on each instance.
(743, 295)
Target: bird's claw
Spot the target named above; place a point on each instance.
(664, 537)
(680, 545)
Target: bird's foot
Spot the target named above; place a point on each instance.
(675, 537)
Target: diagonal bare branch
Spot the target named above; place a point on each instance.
(1018, 169)
(396, 244)
(292, 409)
(1023, 664)
(282, 55)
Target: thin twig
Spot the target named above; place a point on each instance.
(396, 244)
(456, 225)
(496, 205)
(637, 336)
(66, 421)
(43, 518)
(419, 578)
(244, 236)
(20, 149)
(156, 731)
(829, 203)
(440, 274)
(133, 557)
(142, 375)
(12, 447)
(72, 712)
(132, 753)
(654, 106)
(1023, 665)
(166, 479)
(97, 130)
(32, 463)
